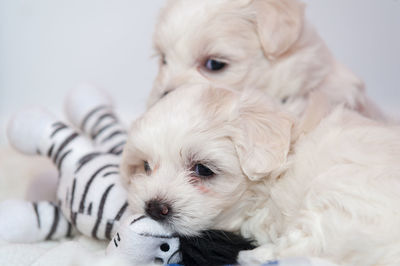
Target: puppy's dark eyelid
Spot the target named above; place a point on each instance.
(214, 64)
(203, 171)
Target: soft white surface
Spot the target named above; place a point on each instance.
(80, 251)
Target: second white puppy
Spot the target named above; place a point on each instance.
(251, 44)
(328, 189)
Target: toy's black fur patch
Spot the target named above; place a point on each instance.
(213, 247)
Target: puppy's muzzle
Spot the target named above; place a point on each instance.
(158, 209)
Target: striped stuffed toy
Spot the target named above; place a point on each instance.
(90, 197)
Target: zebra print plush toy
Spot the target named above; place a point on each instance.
(90, 197)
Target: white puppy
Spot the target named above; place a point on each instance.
(218, 159)
(241, 44)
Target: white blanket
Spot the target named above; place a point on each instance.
(78, 251)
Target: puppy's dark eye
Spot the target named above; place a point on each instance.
(163, 59)
(146, 167)
(164, 94)
(214, 65)
(202, 170)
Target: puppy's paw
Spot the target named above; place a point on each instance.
(256, 256)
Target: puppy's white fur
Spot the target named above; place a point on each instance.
(267, 45)
(325, 188)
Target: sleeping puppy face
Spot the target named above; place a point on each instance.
(191, 158)
(226, 43)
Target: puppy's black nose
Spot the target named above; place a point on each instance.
(157, 209)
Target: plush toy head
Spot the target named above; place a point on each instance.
(142, 241)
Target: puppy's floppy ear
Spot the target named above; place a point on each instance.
(279, 24)
(262, 135)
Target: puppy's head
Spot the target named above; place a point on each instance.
(224, 43)
(190, 160)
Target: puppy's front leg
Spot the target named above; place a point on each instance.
(295, 243)
(257, 256)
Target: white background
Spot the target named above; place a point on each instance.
(49, 46)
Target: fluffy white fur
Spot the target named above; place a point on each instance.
(326, 185)
(267, 44)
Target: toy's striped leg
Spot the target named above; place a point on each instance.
(91, 110)
(35, 131)
(103, 127)
(26, 222)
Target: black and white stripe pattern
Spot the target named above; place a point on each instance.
(90, 195)
(51, 223)
(104, 128)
